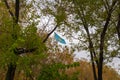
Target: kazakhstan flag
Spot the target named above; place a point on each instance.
(59, 39)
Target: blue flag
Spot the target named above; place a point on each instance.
(59, 39)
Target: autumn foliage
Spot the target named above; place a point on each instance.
(61, 66)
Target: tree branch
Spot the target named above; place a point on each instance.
(91, 48)
(50, 34)
(19, 51)
(17, 8)
(118, 27)
(106, 5)
(118, 24)
(102, 39)
(8, 7)
(105, 28)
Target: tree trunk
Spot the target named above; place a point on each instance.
(12, 67)
(93, 68)
(10, 72)
(100, 68)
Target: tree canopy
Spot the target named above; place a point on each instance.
(26, 45)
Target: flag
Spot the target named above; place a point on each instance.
(59, 39)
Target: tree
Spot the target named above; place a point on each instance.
(19, 35)
(17, 39)
(95, 24)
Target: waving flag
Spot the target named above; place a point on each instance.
(59, 39)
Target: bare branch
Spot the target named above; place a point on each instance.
(50, 34)
(46, 24)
